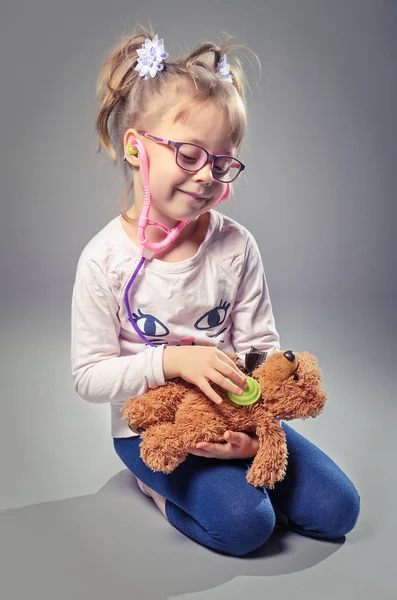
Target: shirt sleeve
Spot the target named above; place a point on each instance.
(252, 316)
(99, 373)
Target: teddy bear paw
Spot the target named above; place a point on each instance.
(159, 458)
(264, 479)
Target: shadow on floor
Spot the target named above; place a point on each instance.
(116, 544)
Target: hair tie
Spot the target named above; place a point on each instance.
(223, 69)
(151, 57)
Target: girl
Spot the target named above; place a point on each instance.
(190, 299)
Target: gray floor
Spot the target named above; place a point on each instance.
(61, 489)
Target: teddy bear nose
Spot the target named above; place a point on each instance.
(289, 355)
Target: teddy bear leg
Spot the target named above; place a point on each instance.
(199, 420)
(270, 462)
(156, 406)
(166, 445)
(161, 450)
(200, 428)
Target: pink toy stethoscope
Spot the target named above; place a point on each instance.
(148, 249)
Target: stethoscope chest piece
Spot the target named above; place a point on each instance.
(249, 396)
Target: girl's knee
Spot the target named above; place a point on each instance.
(244, 531)
(345, 511)
(338, 514)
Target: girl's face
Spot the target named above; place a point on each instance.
(207, 125)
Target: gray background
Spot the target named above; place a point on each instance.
(319, 196)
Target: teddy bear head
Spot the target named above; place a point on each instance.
(290, 383)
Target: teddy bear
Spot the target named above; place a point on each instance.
(173, 418)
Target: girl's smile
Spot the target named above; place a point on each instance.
(195, 197)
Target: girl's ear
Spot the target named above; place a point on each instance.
(132, 147)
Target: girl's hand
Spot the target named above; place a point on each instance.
(201, 365)
(238, 445)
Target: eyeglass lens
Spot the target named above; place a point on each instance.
(192, 158)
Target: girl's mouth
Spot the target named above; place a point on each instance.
(194, 197)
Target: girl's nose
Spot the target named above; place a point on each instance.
(204, 174)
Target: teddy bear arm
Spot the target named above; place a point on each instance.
(270, 462)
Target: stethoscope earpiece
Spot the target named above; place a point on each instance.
(131, 150)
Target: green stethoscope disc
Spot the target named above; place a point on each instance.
(249, 396)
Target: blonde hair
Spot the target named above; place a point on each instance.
(127, 100)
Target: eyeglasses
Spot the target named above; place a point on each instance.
(192, 157)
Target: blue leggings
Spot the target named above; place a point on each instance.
(210, 501)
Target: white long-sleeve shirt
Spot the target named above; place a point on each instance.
(219, 297)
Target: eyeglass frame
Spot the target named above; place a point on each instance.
(210, 157)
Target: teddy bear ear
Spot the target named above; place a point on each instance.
(253, 359)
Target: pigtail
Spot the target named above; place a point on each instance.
(198, 57)
(116, 78)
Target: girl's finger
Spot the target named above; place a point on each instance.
(223, 451)
(232, 364)
(233, 437)
(209, 446)
(202, 453)
(233, 372)
(210, 392)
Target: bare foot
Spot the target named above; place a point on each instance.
(157, 498)
(142, 487)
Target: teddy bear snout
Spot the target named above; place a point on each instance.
(289, 355)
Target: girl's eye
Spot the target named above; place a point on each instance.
(191, 159)
(295, 377)
(222, 166)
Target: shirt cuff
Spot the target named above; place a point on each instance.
(157, 372)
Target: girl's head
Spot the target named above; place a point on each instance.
(188, 101)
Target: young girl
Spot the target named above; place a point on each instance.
(141, 317)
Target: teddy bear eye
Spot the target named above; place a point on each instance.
(295, 377)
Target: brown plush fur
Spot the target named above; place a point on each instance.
(172, 418)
